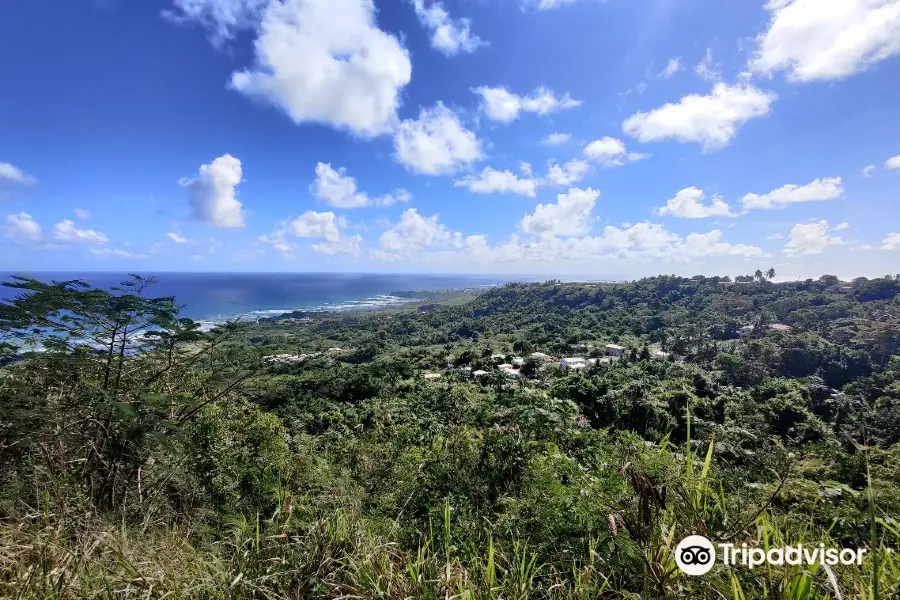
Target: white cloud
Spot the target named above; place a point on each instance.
(611, 152)
(449, 36)
(20, 227)
(12, 174)
(710, 120)
(119, 253)
(67, 233)
(547, 4)
(213, 193)
(810, 238)
(492, 181)
(277, 239)
(82, 213)
(338, 189)
(499, 104)
(556, 139)
(672, 67)
(867, 171)
(828, 188)
(436, 143)
(349, 246)
(893, 163)
(570, 216)
(320, 225)
(842, 226)
(689, 204)
(326, 61)
(413, 232)
(815, 40)
(567, 173)
(175, 237)
(222, 17)
(891, 242)
(707, 68)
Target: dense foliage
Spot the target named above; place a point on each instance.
(140, 456)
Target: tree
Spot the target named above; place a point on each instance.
(770, 274)
(758, 275)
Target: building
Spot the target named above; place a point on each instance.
(845, 289)
(660, 355)
(431, 375)
(614, 350)
(746, 331)
(518, 361)
(541, 356)
(479, 373)
(571, 362)
(780, 327)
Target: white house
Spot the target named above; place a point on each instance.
(431, 375)
(518, 361)
(660, 355)
(541, 356)
(614, 350)
(571, 362)
(479, 373)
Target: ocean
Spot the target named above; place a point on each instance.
(216, 297)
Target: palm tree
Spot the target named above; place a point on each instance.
(770, 274)
(758, 275)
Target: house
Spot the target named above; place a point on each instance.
(845, 289)
(509, 370)
(431, 375)
(571, 362)
(518, 361)
(780, 327)
(746, 331)
(479, 373)
(505, 366)
(614, 350)
(660, 355)
(541, 356)
(578, 366)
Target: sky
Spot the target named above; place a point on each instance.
(548, 137)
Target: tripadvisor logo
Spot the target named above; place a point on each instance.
(696, 555)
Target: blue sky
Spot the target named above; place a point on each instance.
(558, 137)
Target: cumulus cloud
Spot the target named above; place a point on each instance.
(414, 232)
(547, 4)
(278, 241)
(499, 104)
(611, 152)
(689, 203)
(810, 238)
(711, 120)
(223, 18)
(567, 173)
(319, 225)
(448, 36)
(821, 41)
(556, 139)
(868, 170)
(893, 164)
(827, 188)
(492, 181)
(213, 193)
(891, 242)
(349, 246)
(326, 61)
(12, 174)
(65, 232)
(569, 216)
(436, 143)
(336, 188)
(20, 227)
